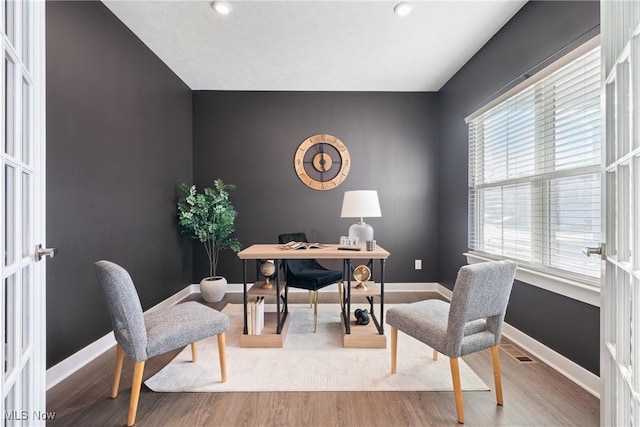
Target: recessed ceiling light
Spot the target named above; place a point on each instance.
(402, 9)
(221, 7)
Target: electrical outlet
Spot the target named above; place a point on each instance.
(418, 264)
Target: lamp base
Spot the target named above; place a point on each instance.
(362, 231)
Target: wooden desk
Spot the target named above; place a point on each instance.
(261, 252)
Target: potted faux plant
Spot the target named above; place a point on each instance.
(209, 217)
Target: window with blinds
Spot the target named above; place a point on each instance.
(534, 172)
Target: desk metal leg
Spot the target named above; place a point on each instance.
(373, 314)
(278, 324)
(381, 327)
(347, 320)
(286, 299)
(244, 298)
(281, 314)
(343, 293)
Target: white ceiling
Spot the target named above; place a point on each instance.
(315, 45)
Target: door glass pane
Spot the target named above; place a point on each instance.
(27, 288)
(624, 226)
(9, 324)
(11, 411)
(26, 214)
(9, 21)
(635, 313)
(636, 206)
(610, 116)
(9, 106)
(625, 418)
(9, 215)
(622, 318)
(612, 244)
(612, 333)
(627, 318)
(26, 122)
(26, 34)
(27, 389)
(635, 84)
(623, 110)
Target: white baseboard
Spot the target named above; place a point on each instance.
(589, 381)
(576, 373)
(444, 291)
(71, 364)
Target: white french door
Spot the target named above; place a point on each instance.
(22, 213)
(620, 307)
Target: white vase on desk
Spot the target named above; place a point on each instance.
(213, 289)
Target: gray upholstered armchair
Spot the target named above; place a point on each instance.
(472, 322)
(144, 335)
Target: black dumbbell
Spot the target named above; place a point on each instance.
(362, 317)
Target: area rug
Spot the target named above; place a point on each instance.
(309, 362)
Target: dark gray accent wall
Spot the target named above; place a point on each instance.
(249, 139)
(118, 144)
(536, 32)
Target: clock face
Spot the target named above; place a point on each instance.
(322, 162)
(362, 273)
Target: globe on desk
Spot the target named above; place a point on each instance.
(267, 269)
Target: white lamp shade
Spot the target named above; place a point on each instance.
(360, 204)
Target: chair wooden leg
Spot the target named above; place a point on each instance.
(117, 372)
(138, 370)
(457, 388)
(222, 354)
(435, 354)
(315, 311)
(497, 377)
(194, 352)
(394, 349)
(310, 299)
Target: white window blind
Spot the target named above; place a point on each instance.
(534, 173)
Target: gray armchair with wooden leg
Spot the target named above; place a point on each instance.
(471, 322)
(144, 335)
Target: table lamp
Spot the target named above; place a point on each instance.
(360, 204)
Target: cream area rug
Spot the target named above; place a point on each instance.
(309, 362)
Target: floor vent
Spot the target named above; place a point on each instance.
(516, 353)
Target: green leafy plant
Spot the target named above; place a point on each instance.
(209, 217)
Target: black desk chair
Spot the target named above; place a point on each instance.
(307, 273)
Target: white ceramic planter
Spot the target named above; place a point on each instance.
(213, 289)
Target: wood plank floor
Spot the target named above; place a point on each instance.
(534, 395)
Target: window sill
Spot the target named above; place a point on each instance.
(568, 288)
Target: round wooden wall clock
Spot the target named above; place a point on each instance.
(322, 162)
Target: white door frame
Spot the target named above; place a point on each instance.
(22, 213)
(620, 304)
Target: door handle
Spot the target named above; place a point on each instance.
(597, 250)
(44, 252)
